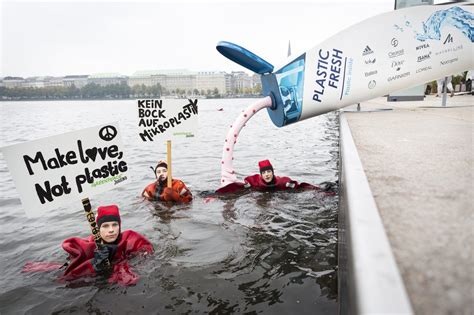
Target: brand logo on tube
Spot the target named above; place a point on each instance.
(397, 64)
(398, 76)
(372, 84)
(370, 61)
(422, 46)
(424, 57)
(447, 62)
(423, 69)
(396, 53)
(449, 39)
(394, 42)
(368, 74)
(367, 51)
(449, 50)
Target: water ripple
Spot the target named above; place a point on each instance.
(250, 252)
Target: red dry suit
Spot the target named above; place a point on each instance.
(81, 252)
(256, 182)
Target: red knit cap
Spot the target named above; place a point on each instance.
(107, 214)
(265, 165)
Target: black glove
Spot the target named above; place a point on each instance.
(158, 189)
(101, 260)
(328, 186)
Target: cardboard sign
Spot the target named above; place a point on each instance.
(57, 170)
(161, 120)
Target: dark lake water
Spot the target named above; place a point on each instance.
(270, 253)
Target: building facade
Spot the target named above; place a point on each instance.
(177, 81)
(78, 81)
(104, 79)
(210, 80)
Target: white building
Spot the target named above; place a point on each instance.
(104, 79)
(241, 82)
(256, 79)
(171, 80)
(13, 82)
(79, 81)
(209, 80)
(146, 78)
(33, 82)
(185, 82)
(53, 81)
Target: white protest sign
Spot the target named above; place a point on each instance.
(167, 119)
(57, 170)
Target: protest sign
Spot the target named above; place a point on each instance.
(161, 120)
(57, 170)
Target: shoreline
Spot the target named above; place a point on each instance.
(123, 99)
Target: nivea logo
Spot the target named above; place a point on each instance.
(423, 46)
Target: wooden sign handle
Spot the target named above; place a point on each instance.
(91, 219)
(94, 228)
(168, 151)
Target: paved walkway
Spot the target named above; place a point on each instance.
(419, 161)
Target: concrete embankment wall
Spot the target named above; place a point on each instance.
(369, 279)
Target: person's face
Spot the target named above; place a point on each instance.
(161, 173)
(267, 175)
(109, 231)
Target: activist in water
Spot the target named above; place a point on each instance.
(267, 181)
(109, 258)
(178, 192)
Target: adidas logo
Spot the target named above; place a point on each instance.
(367, 51)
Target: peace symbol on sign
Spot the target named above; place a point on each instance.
(107, 133)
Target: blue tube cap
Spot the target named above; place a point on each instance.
(244, 57)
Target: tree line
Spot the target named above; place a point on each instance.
(112, 91)
(89, 91)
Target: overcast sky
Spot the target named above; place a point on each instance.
(67, 37)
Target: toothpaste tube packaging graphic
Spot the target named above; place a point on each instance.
(383, 54)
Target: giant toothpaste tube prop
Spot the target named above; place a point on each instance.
(383, 54)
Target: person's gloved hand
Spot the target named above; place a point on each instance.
(170, 194)
(291, 185)
(328, 186)
(101, 262)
